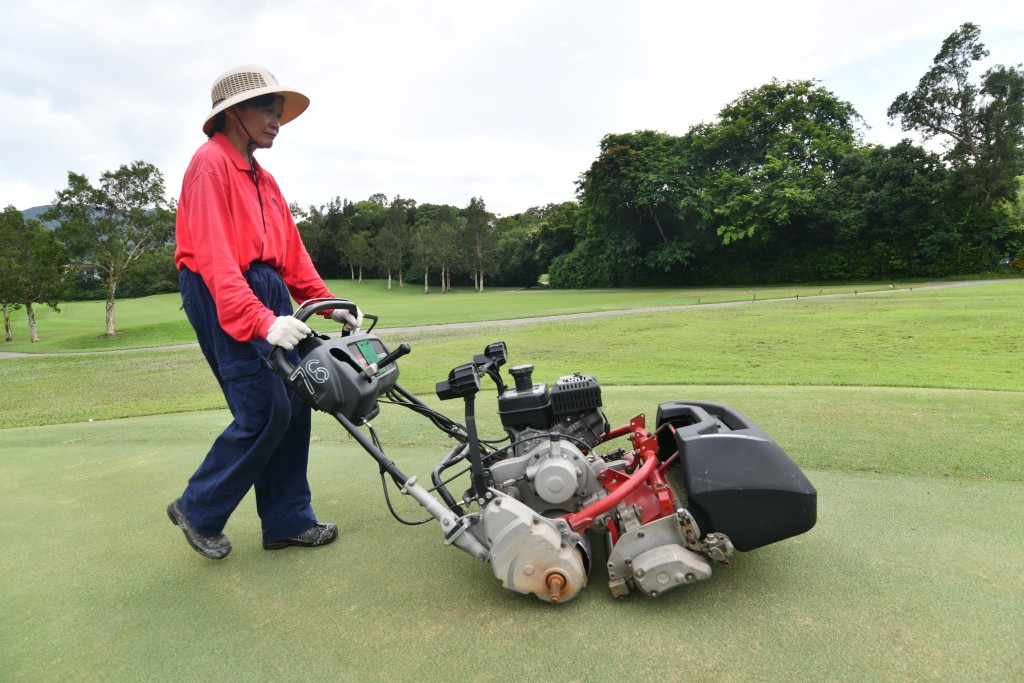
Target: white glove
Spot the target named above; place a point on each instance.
(287, 331)
(350, 321)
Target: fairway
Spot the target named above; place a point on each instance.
(906, 411)
(159, 320)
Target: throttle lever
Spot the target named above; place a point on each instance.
(370, 370)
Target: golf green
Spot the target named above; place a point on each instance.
(904, 577)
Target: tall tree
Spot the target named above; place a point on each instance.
(772, 151)
(479, 229)
(31, 267)
(636, 195)
(981, 123)
(424, 241)
(12, 224)
(106, 229)
(366, 221)
(392, 242)
(446, 242)
(357, 248)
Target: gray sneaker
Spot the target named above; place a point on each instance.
(214, 546)
(321, 534)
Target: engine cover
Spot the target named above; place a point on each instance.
(552, 475)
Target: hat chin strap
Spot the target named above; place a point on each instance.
(252, 142)
(252, 165)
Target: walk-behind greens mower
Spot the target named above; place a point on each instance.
(535, 499)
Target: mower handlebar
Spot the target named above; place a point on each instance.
(306, 310)
(313, 306)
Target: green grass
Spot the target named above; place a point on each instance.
(906, 410)
(905, 577)
(963, 338)
(159, 320)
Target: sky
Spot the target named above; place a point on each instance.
(440, 101)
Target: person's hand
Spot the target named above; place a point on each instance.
(287, 331)
(351, 321)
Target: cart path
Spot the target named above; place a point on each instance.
(564, 316)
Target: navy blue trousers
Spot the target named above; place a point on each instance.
(266, 446)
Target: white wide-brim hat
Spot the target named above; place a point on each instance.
(248, 81)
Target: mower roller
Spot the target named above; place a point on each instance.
(533, 502)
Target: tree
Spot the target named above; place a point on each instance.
(885, 213)
(325, 230)
(479, 229)
(366, 221)
(108, 228)
(392, 242)
(982, 127)
(636, 197)
(981, 124)
(357, 247)
(446, 242)
(772, 151)
(12, 223)
(518, 241)
(559, 229)
(434, 241)
(31, 268)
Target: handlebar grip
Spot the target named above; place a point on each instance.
(313, 306)
(305, 310)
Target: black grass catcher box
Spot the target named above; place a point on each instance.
(739, 482)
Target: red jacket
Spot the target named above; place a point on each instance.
(221, 230)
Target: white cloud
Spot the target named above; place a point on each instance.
(438, 101)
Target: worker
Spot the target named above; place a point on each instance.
(241, 261)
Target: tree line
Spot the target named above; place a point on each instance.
(779, 188)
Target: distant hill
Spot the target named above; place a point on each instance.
(34, 213)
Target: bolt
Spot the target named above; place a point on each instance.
(639, 573)
(628, 561)
(690, 577)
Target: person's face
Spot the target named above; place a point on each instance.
(262, 122)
